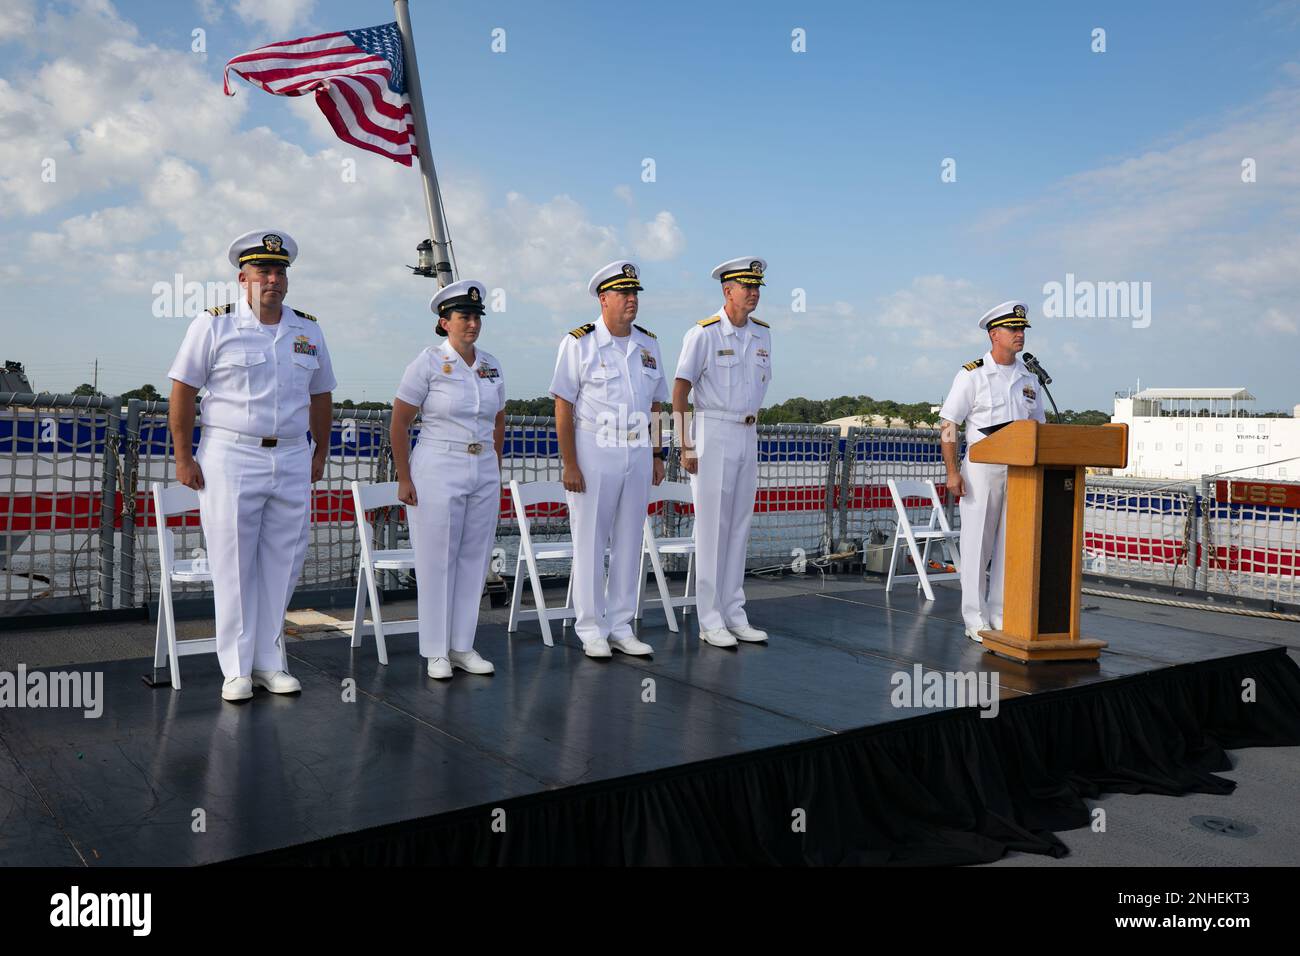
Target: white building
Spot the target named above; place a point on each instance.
(1190, 432)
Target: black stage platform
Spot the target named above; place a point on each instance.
(561, 759)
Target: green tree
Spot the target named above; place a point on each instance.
(146, 393)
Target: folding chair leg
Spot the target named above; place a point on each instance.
(540, 601)
(656, 562)
(516, 596)
(359, 610)
(165, 607)
(640, 576)
(893, 561)
(380, 646)
(915, 552)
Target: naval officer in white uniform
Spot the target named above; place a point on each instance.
(609, 387)
(268, 378)
(451, 483)
(987, 393)
(726, 367)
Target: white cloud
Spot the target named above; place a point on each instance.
(934, 312)
(17, 18)
(659, 239)
(209, 10)
(277, 16)
(1281, 321)
(107, 109)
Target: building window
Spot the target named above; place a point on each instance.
(1198, 446)
(1198, 426)
(1282, 471)
(1178, 426)
(1218, 427)
(1159, 445)
(1139, 446)
(1259, 449)
(1178, 447)
(1240, 449)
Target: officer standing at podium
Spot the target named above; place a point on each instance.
(268, 378)
(986, 394)
(609, 387)
(726, 367)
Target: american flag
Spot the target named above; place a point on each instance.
(358, 78)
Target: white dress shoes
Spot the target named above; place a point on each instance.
(746, 633)
(718, 637)
(277, 682)
(470, 662)
(974, 635)
(597, 648)
(439, 667)
(237, 688)
(632, 646)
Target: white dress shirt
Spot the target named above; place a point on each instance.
(990, 395)
(457, 402)
(609, 379)
(729, 368)
(258, 378)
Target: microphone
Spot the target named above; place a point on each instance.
(1031, 363)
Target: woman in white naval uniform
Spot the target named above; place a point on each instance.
(451, 483)
(990, 391)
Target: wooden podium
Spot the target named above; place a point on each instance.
(1043, 574)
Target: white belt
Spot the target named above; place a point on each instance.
(239, 438)
(634, 434)
(736, 417)
(468, 448)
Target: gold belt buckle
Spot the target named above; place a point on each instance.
(474, 447)
(269, 442)
(750, 419)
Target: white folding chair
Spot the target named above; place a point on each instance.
(670, 493)
(367, 496)
(937, 529)
(169, 502)
(523, 496)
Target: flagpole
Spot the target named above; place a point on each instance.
(432, 198)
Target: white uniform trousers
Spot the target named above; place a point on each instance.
(255, 507)
(983, 538)
(610, 513)
(453, 528)
(723, 488)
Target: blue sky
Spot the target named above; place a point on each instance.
(1120, 166)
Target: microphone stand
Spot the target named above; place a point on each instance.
(1042, 380)
(1041, 374)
